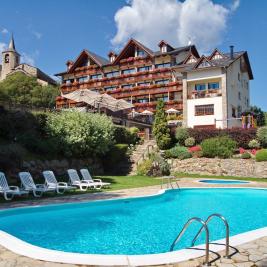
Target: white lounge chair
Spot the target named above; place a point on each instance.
(29, 185)
(76, 181)
(9, 191)
(51, 182)
(97, 182)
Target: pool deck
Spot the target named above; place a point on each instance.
(251, 254)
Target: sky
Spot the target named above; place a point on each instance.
(49, 32)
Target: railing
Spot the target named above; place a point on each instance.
(226, 232)
(177, 239)
(205, 93)
(205, 226)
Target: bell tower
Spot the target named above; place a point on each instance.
(10, 59)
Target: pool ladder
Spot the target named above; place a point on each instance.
(204, 226)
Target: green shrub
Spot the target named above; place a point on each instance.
(160, 165)
(181, 134)
(253, 143)
(81, 134)
(176, 152)
(190, 141)
(262, 135)
(144, 167)
(11, 156)
(123, 135)
(222, 147)
(245, 155)
(261, 155)
(185, 155)
(160, 129)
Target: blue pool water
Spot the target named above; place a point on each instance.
(136, 226)
(223, 181)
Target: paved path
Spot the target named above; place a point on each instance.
(252, 254)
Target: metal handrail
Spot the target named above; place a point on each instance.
(226, 229)
(204, 225)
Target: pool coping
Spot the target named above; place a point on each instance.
(214, 179)
(21, 247)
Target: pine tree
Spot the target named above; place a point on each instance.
(161, 130)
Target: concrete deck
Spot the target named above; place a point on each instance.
(251, 254)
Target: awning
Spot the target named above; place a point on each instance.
(172, 111)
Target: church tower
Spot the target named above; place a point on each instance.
(10, 59)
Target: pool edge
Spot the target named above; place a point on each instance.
(23, 248)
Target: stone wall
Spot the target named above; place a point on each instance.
(226, 167)
(58, 166)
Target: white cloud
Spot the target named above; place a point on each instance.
(149, 21)
(4, 31)
(26, 58)
(38, 35)
(235, 5)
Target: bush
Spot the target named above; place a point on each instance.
(240, 135)
(144, 167)
(81, 134)
(254, 143)
(190, 141)
(261, 155)
(194, 149)
(11, 157)
(181, 134)
(245, 155)
(161, 130)
(222, 147)
(176, 152)
(160, 165)
(262, 135)
(123, 135)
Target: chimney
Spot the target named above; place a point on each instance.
(231, 51)
(112, 56)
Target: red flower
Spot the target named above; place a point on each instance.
(242, 150)
(194, 149)
(253, 151)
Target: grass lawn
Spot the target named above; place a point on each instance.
(117, 183)
(198, 176)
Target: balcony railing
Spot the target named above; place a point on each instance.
(205, 94)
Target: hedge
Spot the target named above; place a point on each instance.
(240, 135)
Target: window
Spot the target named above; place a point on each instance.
(145, 68)
(128, 71)
(164, 98)
(69, 81)
(140, 53)
(166, 81)
(164, 49)
(233, 112)
(239, 95)
(163, 65)
(144, 84)
(96, 76)
(112, 74)
(204, 64)
(200, 86)
(110, 88)
(127, 86)
(214, 85)
(83, 79)
(202, 110)
(7, 58)
(143, 100)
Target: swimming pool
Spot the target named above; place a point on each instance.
(136, 226)
(217, 181)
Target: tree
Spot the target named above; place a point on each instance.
(19, 88)
(258, 114)
(161, 130)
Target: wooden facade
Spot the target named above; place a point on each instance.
(136, 74)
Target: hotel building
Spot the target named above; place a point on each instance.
(209, 91)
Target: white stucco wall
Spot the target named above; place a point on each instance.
(204, 74)
(234, 86)
(193, 120)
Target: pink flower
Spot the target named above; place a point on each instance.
(253, 151)
(242, 150)
(194, 149)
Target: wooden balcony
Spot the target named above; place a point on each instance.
(152, 105)
(205, 94)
